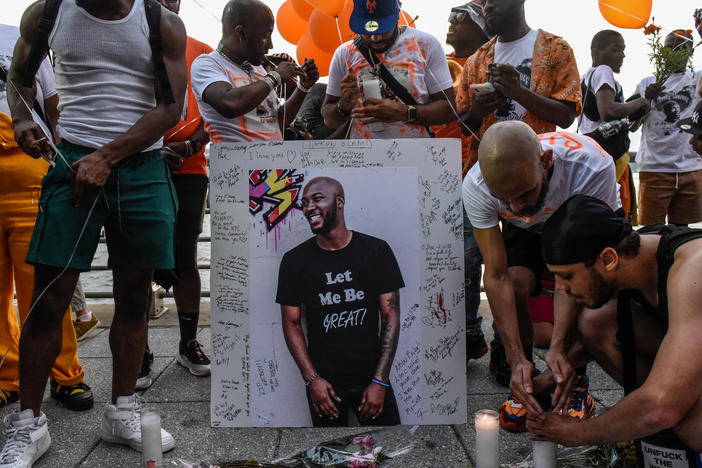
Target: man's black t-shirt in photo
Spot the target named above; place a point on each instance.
(340, 290)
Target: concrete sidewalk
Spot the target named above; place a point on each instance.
(183, 402)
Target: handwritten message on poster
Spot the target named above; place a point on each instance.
(406, 192)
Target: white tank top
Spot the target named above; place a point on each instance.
(104, 74)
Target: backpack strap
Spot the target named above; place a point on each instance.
(40, 46)
(153, 16)
(399, 90)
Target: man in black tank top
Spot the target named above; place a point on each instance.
(639, 318)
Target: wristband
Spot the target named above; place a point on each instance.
(312, 377)
(302, 88)
(275, 76)
(269, 81)
(380, 382)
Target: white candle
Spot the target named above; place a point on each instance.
(487, 430)
(152, 452)
(544, 454)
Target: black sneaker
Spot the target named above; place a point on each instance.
(498, 363)
(476, 347)
(192, 357)
(76, 397)
(144, 379)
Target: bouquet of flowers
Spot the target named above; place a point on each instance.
(667, 61)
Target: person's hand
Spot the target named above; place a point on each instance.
(505, 78)
(522, 387)
(90, 171)
(310, 74)
(288, 70)
(323, 397)
(372, 402)
(173, 158)
(30, 137)
(653, 91)
(487, 102)
(556, 428)
(645, 105)
(349, 91)
(563, 375)
(380, 110)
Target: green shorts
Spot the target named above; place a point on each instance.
(137, 206)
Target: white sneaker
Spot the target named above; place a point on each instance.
(121, 424)
(27, 439)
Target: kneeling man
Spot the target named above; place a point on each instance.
(640, 320)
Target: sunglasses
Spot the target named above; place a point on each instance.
(456, 16)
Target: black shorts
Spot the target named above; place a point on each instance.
(524, 249)
(191, 190)
(350, 400)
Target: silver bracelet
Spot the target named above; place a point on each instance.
(269, 81)
(302, 88)
(275, 76)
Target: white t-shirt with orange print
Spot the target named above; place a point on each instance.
(416, 60)
(580, 167)
(258, 124)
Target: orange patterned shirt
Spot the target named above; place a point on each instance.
(554, 74)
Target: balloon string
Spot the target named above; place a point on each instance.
(208, 11)
(622, 11)
(338, 29)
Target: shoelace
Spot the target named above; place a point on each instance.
(17, 441)
(133, 422)
(195, 349)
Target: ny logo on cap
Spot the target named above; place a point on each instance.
(695, 117)
(370, 6)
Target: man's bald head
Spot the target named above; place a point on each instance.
(325, 184)
(240, 12)
(507, 151)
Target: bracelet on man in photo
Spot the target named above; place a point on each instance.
(312, 377)
(380, 382)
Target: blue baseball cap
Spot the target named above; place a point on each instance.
(374, 16)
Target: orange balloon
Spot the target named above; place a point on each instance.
(324, 32)
(630, 14)
(290, 25)
(330, 7)
(302, 8)
(406, 19)
(306, 48)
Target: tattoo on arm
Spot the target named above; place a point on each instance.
(389, 335)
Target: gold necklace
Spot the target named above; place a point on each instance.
(245, 65)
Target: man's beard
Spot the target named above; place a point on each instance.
(328, 222)
(602, 292)
(389, 43)
(540, 202)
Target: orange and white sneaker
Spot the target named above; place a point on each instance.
(513, 413)
(582, 405)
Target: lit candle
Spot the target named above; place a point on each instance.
(487, 430)
(544, 454)
(152, 452)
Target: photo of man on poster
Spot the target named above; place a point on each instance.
(348, 284)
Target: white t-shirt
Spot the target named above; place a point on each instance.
(46, 86)
(595, 78)
(258, 124)
(579, 167)
(416, 60)
(664, 147)
(519, 54)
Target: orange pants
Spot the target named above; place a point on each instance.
(20, 182)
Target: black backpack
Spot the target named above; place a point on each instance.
(40, 47)
(616, 145)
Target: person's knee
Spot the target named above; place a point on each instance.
(523, 281)
(595, 327)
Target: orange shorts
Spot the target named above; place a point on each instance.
(676, 195)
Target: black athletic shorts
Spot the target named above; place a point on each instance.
(191, 190)
(524, 249)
